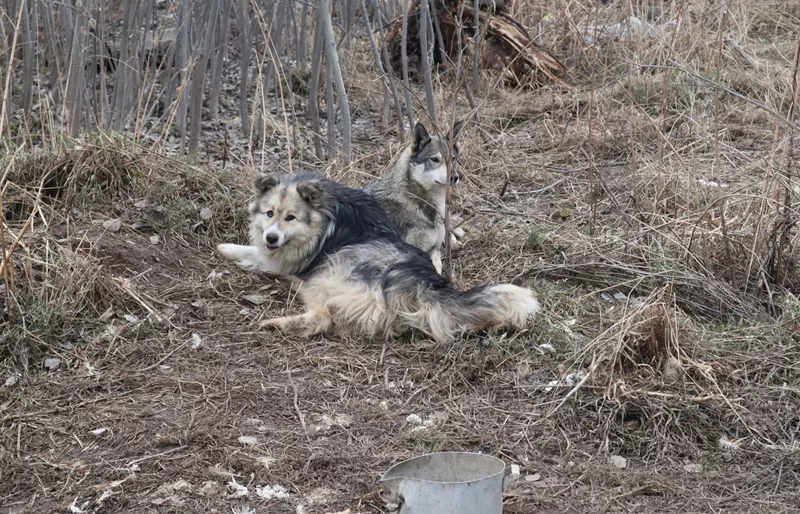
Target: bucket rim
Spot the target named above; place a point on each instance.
(385, 478)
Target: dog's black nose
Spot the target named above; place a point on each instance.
(454, 178)
(271, 239)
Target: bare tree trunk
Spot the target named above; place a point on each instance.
(302, 44)
(330, 107)
(198, 81)
(424, 25)
(277, 48)
(477, 40)
(28, 53)
(184, 21)
(336, 71)
(313, 87)
(4, 38)
(54, 51)
(438, 30)
(270, 22)
(124, 67)
(404, 57)
(245, 49)
(221, 43)
(65, 16)
(72, 100)
(387, 75)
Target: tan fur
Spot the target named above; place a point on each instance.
(301, 234)
(337, 295)
(332, 298)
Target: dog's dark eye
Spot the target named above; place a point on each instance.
(435, 160)
(289, 217)
(269, 213)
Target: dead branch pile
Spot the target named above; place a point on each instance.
(504, 45)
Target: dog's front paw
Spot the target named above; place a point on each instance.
(455, 244)
(456, 233)
(229, 252)
(279, 324)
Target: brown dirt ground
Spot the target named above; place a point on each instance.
(173, 404)
(162, 371)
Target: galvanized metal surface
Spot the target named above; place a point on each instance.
(445, 483)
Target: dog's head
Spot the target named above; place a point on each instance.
(428, 154)
(286, 215)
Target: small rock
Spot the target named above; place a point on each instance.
(618, 461)
(157, 320)
(672, 372)
(209, 489)
(620, 297)
(156, 217)
(107, 314)
(130, 318)
(436, 419)
(523, 370)
(236, 490)
(343, 420)
(172, 499)
(269, 492)
(266, 461)
(384, 405)
(154, 240)
(196, 341)
(321, 496)
(413, 419)
(693, 468)
(255, 299)
(205, 213)
(727, 444)
(52, 363)
(533, 478)
(177, 486)
(98, 431)
(248, 440)
(112, 225)
(12, 380)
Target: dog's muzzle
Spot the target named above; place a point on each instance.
(272, 241)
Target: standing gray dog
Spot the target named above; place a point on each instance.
(413, 192)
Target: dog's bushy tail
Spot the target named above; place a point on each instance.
(445, 312)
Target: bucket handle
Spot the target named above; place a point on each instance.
(510, 475)
(392, 500)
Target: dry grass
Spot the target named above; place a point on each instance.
(652, 207)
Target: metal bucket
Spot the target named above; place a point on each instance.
(446, 483)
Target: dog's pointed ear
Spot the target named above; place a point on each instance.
(311, 192)
(421, 137)
(264, 183)
(457, 129)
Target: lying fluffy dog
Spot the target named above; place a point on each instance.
(357, 272)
